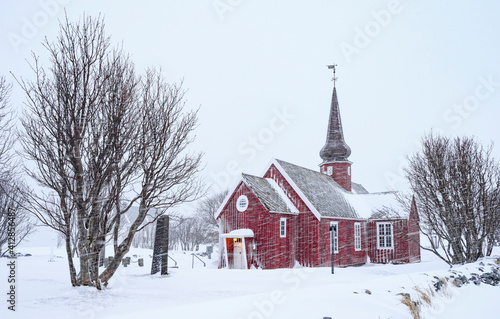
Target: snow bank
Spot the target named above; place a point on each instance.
(207, 292)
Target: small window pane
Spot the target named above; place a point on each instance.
(282, 227)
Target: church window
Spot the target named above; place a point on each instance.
(334, 230)
(282, 227)
(384, 236)
(357, 236)
(242, 203)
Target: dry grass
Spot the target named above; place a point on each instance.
(412, 305)
(425, 295)
(444, 289)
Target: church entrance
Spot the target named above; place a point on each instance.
(235, 248)
(238, 254)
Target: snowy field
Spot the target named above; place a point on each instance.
(369, 291)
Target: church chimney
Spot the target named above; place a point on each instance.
(336, 152)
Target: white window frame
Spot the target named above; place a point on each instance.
(282, 227)
(329, 170)
(336, 238)
(383, 239)
(357, 236)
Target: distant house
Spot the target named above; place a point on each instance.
(285, 216)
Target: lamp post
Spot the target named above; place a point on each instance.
(333, 231)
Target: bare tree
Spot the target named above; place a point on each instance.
(12, 190)
(101, 136)
(208, 206)
(457, 187)
(6, 139)
(12, 198)
(206, 210)
(145, 238)
(190, 233)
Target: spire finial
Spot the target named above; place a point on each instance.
(333, 66)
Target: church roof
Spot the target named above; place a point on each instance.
(321, 191)
(358, 189)
(382, 205)
(335, 148)
(329, 199)
(270, 195)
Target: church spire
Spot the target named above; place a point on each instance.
(335, 148)
(335, 153)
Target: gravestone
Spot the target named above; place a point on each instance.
(210, 250)
(160, 251)
(126, 261)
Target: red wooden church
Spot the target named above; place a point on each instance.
(285, 216)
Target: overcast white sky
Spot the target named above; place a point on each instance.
(257, 69)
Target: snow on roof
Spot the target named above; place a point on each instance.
(321, 191)
(243, 232)
(285, 198)
(270, 195)
(358, 189)
(376, 205)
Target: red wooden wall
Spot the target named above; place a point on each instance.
(399, 252)
(271, 251)
(347, 255)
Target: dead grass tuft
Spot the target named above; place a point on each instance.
(414, 306)
(445, 288)
(424, 295)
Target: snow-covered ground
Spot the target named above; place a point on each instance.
(369, 291)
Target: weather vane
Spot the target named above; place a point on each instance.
(332, 66)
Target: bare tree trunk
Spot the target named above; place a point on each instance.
(71, 265)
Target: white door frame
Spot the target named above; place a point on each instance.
(244, 252)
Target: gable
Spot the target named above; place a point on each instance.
(265, 191)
